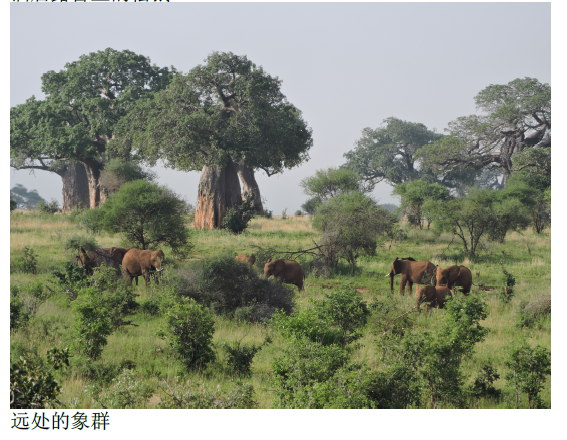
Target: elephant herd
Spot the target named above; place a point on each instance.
(412, 271)
(134, 262)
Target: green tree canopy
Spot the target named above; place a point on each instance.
(388, 153)
(224, 112)
(84, 101)
(351, 224)
(517, 117)
(333, 181)
(149, 215)
(414, 194)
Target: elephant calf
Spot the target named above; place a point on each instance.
(246, 259)
(433, 296)
(455, 276)
(137, 262)
(287, 271)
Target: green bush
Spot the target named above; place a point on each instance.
(13, 204)
(26, 263)
(236, 219)
(48, 208)
(70, 279)
(100, 308)
(189, 331)
(31, 385)
(18, 315)
(240, 356)
(92, 322)
(188, 396)
(528, 368)
(227, 286)
(531, 312)
(298, 212)
(302, 365)
(351, 224)
(78, 242)
(483, 384)
(507, 288)
(125, 392)
(267, 214)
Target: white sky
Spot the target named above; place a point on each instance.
(345, 66)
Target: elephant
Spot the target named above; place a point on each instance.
(117, 253)
(287, 271)
(137, 262)
(412, 272)
(455, 276)
(247, 259)
(99, 256)
(434, 296)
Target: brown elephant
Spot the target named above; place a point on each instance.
(412, 272)
(95, 258)
(433, 296)
(287, 271)
(117, 253)
(137, 262)
(246, 259)
(455, 276)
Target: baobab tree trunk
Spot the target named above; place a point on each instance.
(249, 184)
(93, 169)
(219, 189)
(75, 186)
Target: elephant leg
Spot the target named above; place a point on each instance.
(403, 281)
(410, 286)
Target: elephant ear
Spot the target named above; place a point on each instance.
(269, 259)
(279, 266)
(397, 265)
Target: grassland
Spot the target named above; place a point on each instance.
(140, 346)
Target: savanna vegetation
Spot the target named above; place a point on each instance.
(344, 335)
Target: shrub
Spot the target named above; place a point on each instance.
(100, 308)
(240, 356)
(284, 214)
(13, 204)
(298, 212)
(507, 289)
(125, 392)
(236, 219)
(528, 370)
(189, 332)
(118, 171)
(33, 295)
(92, 219)
(18, 315)
(530, 312)
(267, 214)
(148, 215)
(226, 285)
(482, 386)
(188, 396)
(26, 263)
(310, 206)
(92, 322)
(351, 224)
(302, 365)
(48, 208)
(70, 279)
(31, 386)
(78, 242)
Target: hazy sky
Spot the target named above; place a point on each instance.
(345, 66)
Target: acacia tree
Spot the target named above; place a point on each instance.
(225, 118)
(517, 118)
(76, 121)
(388, 153)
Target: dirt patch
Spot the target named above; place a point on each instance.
(154, 400)
(362, 290)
